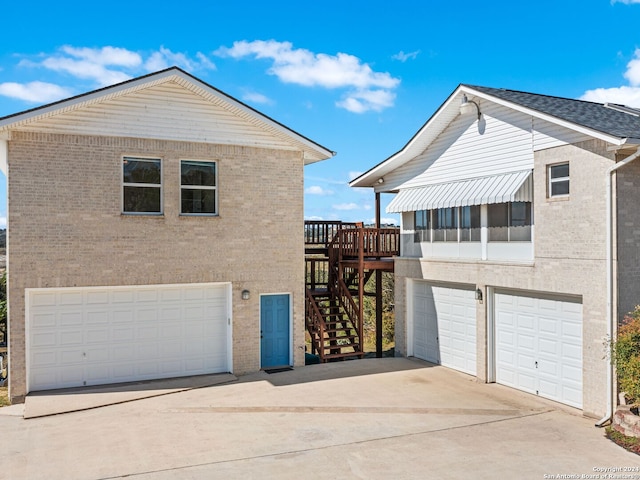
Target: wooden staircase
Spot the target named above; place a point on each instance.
(334, 335)
(340, 258)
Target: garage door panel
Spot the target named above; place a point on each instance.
(71, 317)
(97, 298)
(547, 356)
(549, 346)
(97, 335)
(444, 326)
(67, 338)
(71, 298)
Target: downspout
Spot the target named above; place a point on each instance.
(609, 260)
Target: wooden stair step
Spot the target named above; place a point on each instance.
(342, 355)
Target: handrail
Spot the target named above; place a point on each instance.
(349, 306)
(315, 323)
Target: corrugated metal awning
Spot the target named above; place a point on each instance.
(507, 187)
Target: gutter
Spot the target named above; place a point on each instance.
(611, 328)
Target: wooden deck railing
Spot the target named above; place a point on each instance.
(321, 232)
(369, 242)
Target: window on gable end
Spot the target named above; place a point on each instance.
(558, 176)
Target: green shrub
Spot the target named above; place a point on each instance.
(625, 354)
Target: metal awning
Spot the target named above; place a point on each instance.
(507, 187)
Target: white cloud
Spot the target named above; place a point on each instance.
(94, 63)
(109, 65)
(403, 57)
(317, 190)
(627, 2)
(370, 90)
(256, 97)
(354, 174)
(3, 222)
(313, 217)
(364, 100)
(35, 92)
(626, 94)
(346, 206)
(165, 58)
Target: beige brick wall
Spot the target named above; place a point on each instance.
(628, 231)
(569, 246)
(66, 229)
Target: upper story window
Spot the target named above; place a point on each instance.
(448, 224)
(198, 188)
(470, 223)
(422, 224)
(141, 185)
(445, 224)
(558, 180)
(510, 222)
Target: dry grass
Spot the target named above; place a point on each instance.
(4, 397)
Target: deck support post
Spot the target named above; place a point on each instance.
(378, 313)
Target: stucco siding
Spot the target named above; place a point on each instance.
(66, 229)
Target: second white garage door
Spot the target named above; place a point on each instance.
(444, 325)
(539, 346)
(101, 335)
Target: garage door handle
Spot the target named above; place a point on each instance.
(536, 364)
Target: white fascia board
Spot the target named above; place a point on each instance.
(4, 155)
(549, 118)
(418, 143)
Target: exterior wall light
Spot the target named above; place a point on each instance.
(479, 295)
(466, 106)
(381, 180)
(246, 294)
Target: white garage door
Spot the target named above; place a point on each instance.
(100, 335)
(539, 346)
(444, 326)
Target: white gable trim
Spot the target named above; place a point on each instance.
(441, 119)
(312, 151)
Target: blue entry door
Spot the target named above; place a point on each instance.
(274, 330)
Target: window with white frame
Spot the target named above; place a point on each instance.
(510, 222)
(141, 185)
(558, 180)
(198, 188)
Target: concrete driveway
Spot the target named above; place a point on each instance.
(370, 419)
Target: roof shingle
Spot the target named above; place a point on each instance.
(595, 116)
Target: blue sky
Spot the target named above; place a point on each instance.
(358, 77)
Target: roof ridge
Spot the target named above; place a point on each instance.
(537, 94)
